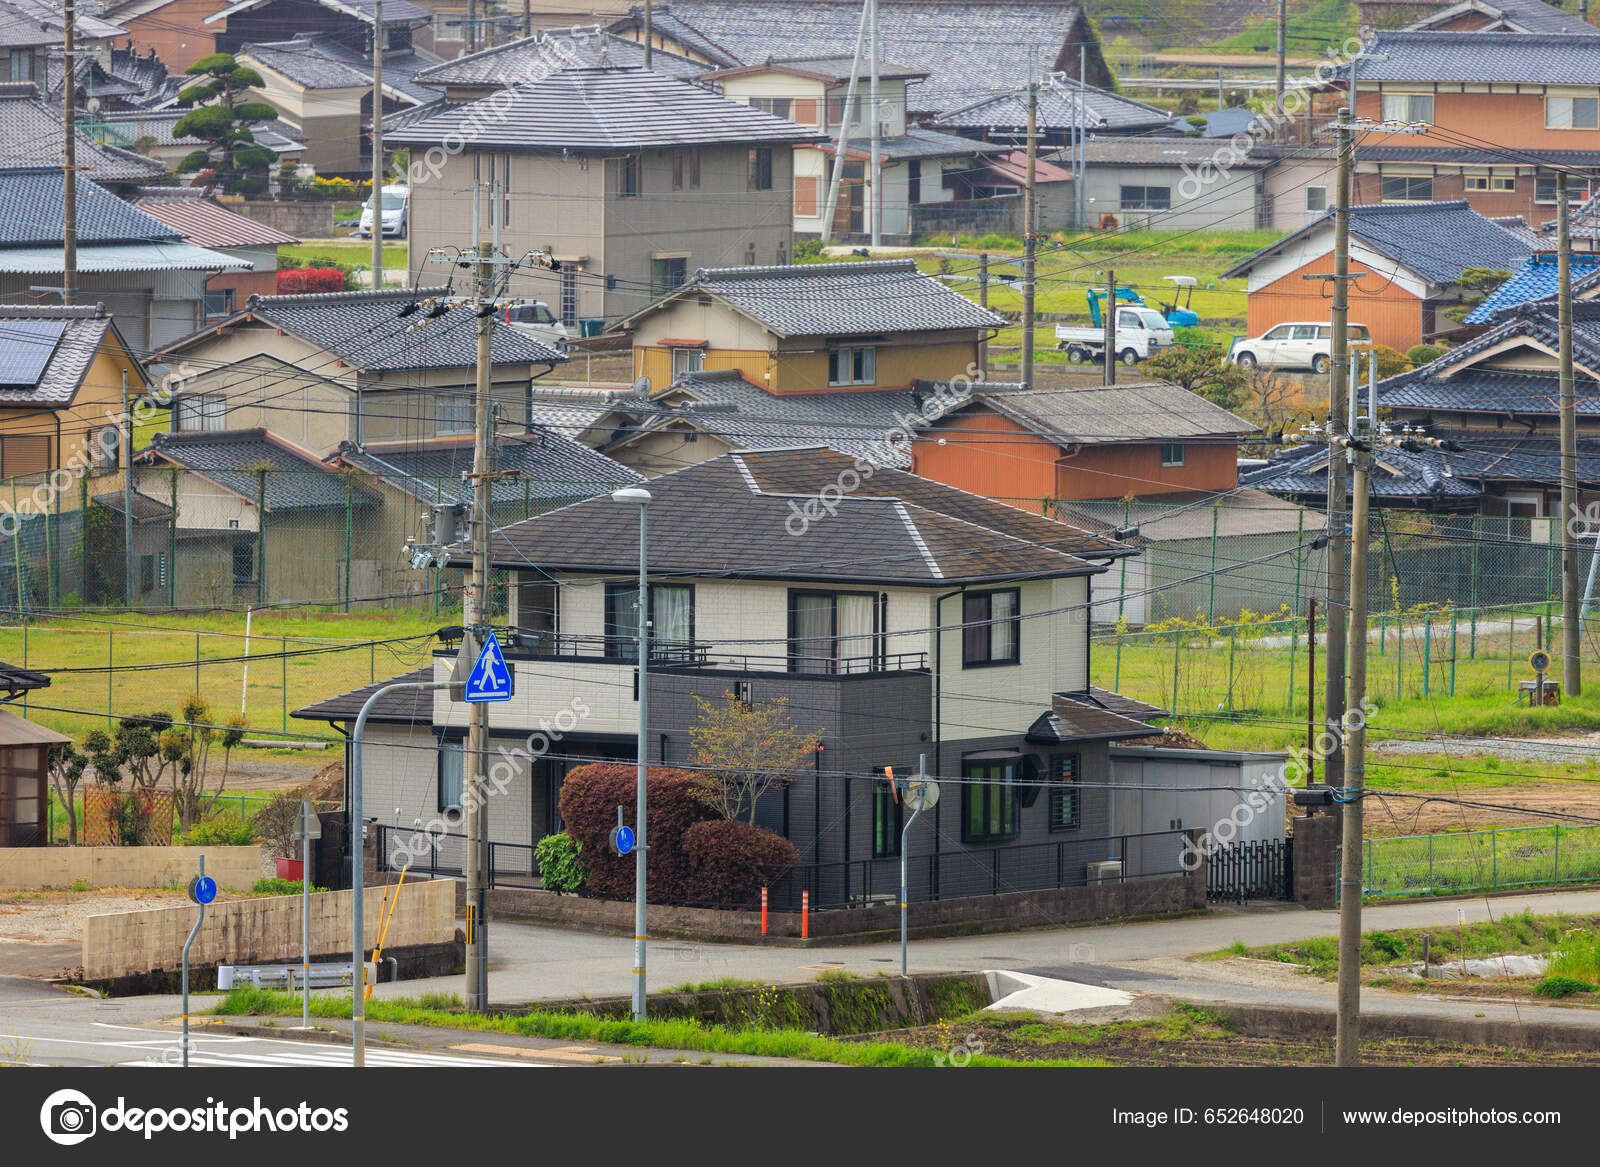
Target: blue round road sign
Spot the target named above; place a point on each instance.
(622, 840)
(202, 889)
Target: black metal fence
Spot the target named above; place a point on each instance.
(439, 853)
(1251, 870)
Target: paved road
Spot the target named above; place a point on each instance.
(531, 962)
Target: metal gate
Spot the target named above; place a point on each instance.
(1253, 870)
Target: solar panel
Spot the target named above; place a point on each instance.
(26, 347)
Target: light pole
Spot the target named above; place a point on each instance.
(640, 497)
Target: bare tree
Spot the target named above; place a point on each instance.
(67, 765)
(188, 744)
(748, 748)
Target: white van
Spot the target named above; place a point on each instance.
(396, 202)
(534, 318)
(1296, 345)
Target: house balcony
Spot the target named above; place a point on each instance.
(523, 644)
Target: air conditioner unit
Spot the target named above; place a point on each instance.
(1106, 871)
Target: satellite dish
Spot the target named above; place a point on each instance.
(641, 387)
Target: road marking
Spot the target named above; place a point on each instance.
(572, 1053)
(269, 1054)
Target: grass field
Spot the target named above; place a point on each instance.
(356, 253)
(154, 659)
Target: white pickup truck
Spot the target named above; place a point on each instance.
(1140, 332)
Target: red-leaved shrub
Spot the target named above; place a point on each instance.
(300, 281)
(675, 801)
(731, 860)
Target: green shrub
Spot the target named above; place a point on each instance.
(808, 251)
(1422, 354)
(1387, 946)
(1561, 987)
(280, 887)
(561, 866)
(221, 830)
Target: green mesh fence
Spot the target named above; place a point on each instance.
(1510, 857)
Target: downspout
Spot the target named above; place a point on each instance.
(938, 699)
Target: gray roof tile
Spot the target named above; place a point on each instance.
(87, 330)
(1125, 412)
(31, 136)
(30, 213)
(315, 62)
(1510, 16)
(532, 58)
(1058, 110)
(1528, 58)
(232, 457)
(407, 707)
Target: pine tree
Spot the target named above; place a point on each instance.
(222, 120)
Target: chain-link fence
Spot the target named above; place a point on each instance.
(1450, 864)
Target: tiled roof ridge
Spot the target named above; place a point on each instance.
(94, 311)
(1446, 36)
(318, 299)
(803, 270)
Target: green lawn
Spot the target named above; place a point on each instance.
(357, 253)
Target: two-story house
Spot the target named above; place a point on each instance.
(913, 159)
(614, 172)
(1503, 111)
(322, 369)
(916, 621)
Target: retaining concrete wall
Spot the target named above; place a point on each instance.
(303, 220)
(262, 931)
(236, 868)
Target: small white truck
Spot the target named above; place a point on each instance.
(1140, 333)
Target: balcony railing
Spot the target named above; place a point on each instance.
(699, 654)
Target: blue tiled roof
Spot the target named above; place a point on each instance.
(1487, 391)
(1535, 280)
(30, 213)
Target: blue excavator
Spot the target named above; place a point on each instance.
(1177, 313)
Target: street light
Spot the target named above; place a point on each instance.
(640, 497)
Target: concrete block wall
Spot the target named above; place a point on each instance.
(27, 868)
(264, 930)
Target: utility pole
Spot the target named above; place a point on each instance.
(1347, 1043)
(475, 616)
(527, 19)
(377, 145)
(1571, 595)
(983, 302)
(649, 34)
(472, 26)
(127, 494)
(876, 177)
(1030, 228)
(1108, 320)
(836, 180)
(1283, 23)
(1080, 174)
(69, 158)
(1338, 387)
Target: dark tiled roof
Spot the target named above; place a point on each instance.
(145, 508)
(1535, 280)
(1104, 112)
(1075, 717)
(31, 136)
(1486, 391)
(601, 110)
(207, 223)
(232, 457)
(966, 49)
(132, 78)
(1152, 150)
(739, 515)
(365, 329)
(825, 68)
(1437, 241)
(1528, 58)
(1398, 476)
(1132, 412)
(407, 707)
(1520, 227)
(15, 681)
(37, 23)
(919, 142)
(87, 331)
(533, 58)
(314, 62)
(1509, 15)
(1476, 156)
(1535, 320)
(1117, 703)
(541, 467)
(837, 299)
(394, 11)
(125, 128)
(30, 213)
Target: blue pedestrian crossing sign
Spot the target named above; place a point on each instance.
(490, 679)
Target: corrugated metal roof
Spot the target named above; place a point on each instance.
(115, 257)
(209, 224)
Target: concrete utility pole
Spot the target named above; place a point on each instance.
(69, 158)
(649, 33)
(476, 618)
(1347, 1043)
(640, 497)
(983, 302)
(876, 208)
(1571, 595)
(1283, 22)
(1108, 321)
(836, 180)
(377, 145)
(1030, 227)
(125, 432)
(1080, 173)
(1338, 387)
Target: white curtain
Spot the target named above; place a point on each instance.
(813, 629)
(1002, 633)
(855, 633)
(670, 614)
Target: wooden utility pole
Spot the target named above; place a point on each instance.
(1108, 322)
(377, 145)
(1571, 588)
(69, 159)
(983, 302)
(1283, 29)
(1338, 407)
(475, 616)
(1030, 226)
(472, 26)
(649, 33)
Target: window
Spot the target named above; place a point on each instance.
(21, 65)
(778, 107)
(989, 800)
(23, 455)
(1279, 333)
(244, 563)
(147, 572)
(804, 111)
(452, 774)
(1316, 199)
(1503, 183)
(671, 621)
(991, 628)
(569, 296)
(1147, 198)
(694, 169)
(1407, 188)
(1064, 808)
(835, 632)
(537, 602)
(853, 365)
(453, 414)
(219, 302)
(628, 176)
(1303, 332)
(1408, 107)
(761, 168)
(677, 170)
(202, 411)
(806, 196)
(1356, 332)
(1477, 182)
(1544, 189)
(1172, 453)
(667, 274)
(686, 360)
(887, 819)
(1572, 113)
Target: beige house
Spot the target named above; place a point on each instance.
(319, 370)
(629, 178)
